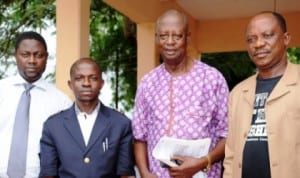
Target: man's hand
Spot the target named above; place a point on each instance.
(189, 166)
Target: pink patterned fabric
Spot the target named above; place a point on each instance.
(200, 109)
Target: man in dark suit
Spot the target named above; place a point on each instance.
(88, 140)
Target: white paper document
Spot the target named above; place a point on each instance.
(167, 147)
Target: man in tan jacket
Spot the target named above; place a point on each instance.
(264, 110)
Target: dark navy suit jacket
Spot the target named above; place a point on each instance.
(109, 152)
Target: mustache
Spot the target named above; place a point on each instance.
(261, 51)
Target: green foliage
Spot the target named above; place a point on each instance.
(113, 46)
(17, 16)
(235, 66)
(294, 55)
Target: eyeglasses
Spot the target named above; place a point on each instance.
(174, 37)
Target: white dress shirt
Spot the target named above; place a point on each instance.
(46, 100)
(86, 122)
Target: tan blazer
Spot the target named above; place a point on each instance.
(282, 112)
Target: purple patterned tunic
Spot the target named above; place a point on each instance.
(199, 108)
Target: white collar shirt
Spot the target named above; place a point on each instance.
(46, 100)
(86, 122)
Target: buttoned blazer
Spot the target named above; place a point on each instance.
(64, 153)
(282, 112)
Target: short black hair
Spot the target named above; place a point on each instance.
(280, 19)
(30, 35)
(83, 59)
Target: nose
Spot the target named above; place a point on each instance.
(32, 59)
(259, 43)
(86, 82)
(170, 39)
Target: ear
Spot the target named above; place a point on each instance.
(287, 38)
(102, 84)
(156, 38)
(70, 85)
(188, 36)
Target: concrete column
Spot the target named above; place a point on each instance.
(72, 24)
(148, 58)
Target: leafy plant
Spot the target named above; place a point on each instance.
(17, 16)
(113, 46)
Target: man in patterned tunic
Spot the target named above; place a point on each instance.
(182, 98)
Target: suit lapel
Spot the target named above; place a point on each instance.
(248, 96)
(101, 125)
(249, 90)
(289, 78)
(71, 124)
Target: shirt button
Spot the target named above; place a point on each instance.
(86, 160)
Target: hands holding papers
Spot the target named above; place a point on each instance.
(168, 148)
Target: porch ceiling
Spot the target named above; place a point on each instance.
(231, 9)
(201, 10)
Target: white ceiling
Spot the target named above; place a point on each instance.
(224, 9)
